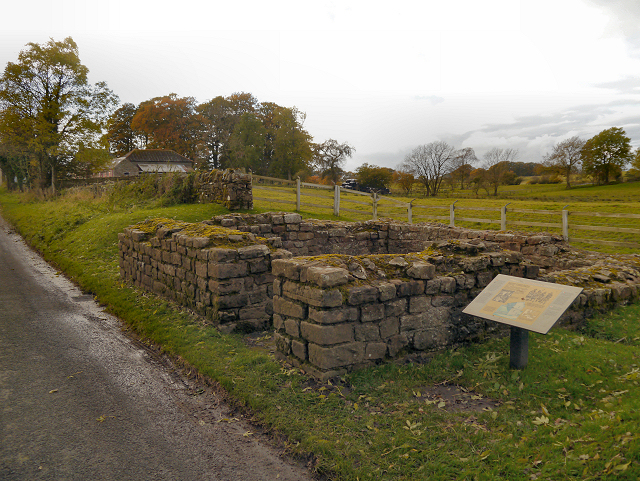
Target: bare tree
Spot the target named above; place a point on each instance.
(430, 163)
(565, 157)
(497, 164)
(330, 156)
(461, 165)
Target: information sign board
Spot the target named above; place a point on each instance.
(523, 303)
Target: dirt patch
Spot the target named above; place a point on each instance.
(456, 398)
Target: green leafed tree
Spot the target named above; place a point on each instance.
(49, 111)
(374, 177)
(121, 136)
(288, 145)
(247, 143)
(605, 154)
(219, 117)
(14, 165)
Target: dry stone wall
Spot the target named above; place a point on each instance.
(355, 293)
(339, 313)
(313, 237)
(231, 188)
(222, 274)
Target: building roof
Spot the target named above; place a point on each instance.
(153, 156)
(162, 167)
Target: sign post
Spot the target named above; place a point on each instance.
(525, 305)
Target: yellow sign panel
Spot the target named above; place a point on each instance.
(525, 303)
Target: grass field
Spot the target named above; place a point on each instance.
(610, 199)
(573, 413)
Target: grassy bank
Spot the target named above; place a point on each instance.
(571, 414)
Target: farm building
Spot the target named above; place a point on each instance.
(140, 161)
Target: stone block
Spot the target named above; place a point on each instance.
(386, 291)
(336, 356)
(251, 252)
(299, 349)
(327, 276)
(200, 242)
(531, 272)
(410, 288)
(232, 300)
(292, 327)
(421, 270)
(396, 343)
(230, 286)
(202, 269)
(484, 278)
(287, 308)
(367, 332)
(226, 271)
(374, 351)
(313, 296)
(389, 326)
(439, 301)
(362, 294)
(333, 316)
(433, 317)
(292, 218)
(448, 285)
(419, 304)
(432, 287)
(278, 321)
(516, 271)
(396, 307)
(223, 255)
(372, 312)
(327, 335)
(258, 265)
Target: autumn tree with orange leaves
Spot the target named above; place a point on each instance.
(170, 123)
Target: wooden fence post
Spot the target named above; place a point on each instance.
(565, 223)
(375, 206)
(298, 194)
(336, 200)
(452, 214)
(503, 217)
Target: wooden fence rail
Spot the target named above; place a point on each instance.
(372, 203)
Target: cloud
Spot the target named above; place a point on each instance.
(628, 85)
(434, 99)
(624, 19)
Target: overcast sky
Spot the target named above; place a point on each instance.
(383, 77)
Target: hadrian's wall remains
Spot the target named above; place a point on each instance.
(344, 295)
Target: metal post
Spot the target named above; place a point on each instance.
(519, 355)
(298, 194)
(336, 200)
(452, 215)
(565, 223)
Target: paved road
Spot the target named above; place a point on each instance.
(80, 400)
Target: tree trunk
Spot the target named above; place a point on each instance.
(53, 179)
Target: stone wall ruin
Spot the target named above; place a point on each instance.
(343, 295)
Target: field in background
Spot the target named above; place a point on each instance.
(616, 229)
